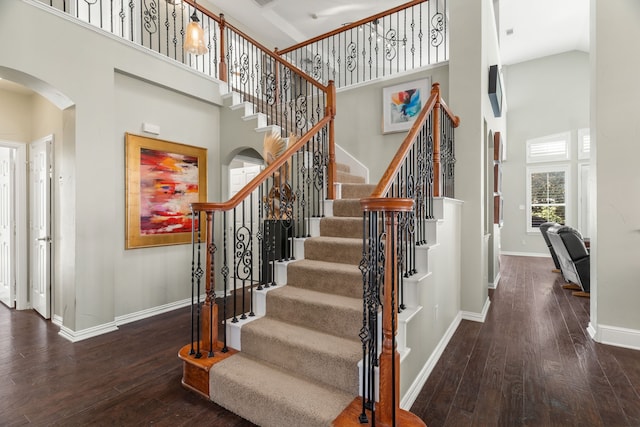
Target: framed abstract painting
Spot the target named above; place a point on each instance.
(162, 180)
(402, 103)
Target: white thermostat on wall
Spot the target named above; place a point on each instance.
(151, 128)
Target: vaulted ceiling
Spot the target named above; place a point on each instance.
(527, 29)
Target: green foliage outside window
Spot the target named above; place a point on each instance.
(547, 197)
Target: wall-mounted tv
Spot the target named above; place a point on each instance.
(495, 90)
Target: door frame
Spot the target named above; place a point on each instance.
(20, 243)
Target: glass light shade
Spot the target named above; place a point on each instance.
(194, 41)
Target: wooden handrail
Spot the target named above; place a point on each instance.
(225, 24)
(204, 10)
(455, 120)
(350, 26)
(262, 176)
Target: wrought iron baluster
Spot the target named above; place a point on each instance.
(194, 243)
(242, 256)
(211, 292)
(252, 252)
(260, 238)
(225, 278)
(235, 269)
(198, 273)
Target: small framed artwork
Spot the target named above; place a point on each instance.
(402, 103)
(162, 180)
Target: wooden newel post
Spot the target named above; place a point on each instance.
(331, 167)
(222, 71)
(210, 308)
(437, 116)
(390, 358)
(389, 413)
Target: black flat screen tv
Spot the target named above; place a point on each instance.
(495, 90)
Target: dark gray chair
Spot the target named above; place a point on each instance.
(572, 254)
(543, 229)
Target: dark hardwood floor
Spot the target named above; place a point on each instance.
(130, 377)
(531, 363)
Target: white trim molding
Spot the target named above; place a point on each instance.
(75, 336)
(414, 390)
(150, 312)
(496, 281)
(532, 254)
(56, 320)
(477, 317)
(615, 335)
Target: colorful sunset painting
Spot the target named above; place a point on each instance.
(168, 185)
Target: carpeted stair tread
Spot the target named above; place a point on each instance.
(334, 249)
(337, 226)
(329, 277)
(332, 314)
(346, 177)
(357, 191)
(304, 351)
(271, 397)
(343, 168)
(347, 208)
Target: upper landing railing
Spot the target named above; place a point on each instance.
(407, 37)
(287, 96)
(401, 39)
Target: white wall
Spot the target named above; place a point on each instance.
(146, 278)
(546, 96)
(429, 329)
(474, 47)
(99, 280)
(615, 102)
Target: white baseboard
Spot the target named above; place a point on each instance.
(75, 336)
(149, 312)
(614, 335)
(496, 281)
(533, 254)
(477, 317)
(412, 393)
(56, 320)
(592, 331)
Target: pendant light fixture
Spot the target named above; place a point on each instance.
(194, 41)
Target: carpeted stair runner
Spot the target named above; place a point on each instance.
(298, 363)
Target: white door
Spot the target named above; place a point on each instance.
(40, 172)
(7, 273)
(238, 178)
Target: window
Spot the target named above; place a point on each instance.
(547, 194)
(584, 143)
(550, 148)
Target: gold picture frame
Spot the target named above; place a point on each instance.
(162, 179)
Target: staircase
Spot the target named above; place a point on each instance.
(298, 360)
(298, 364)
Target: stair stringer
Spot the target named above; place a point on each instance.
(428, 330)
(432, 314)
